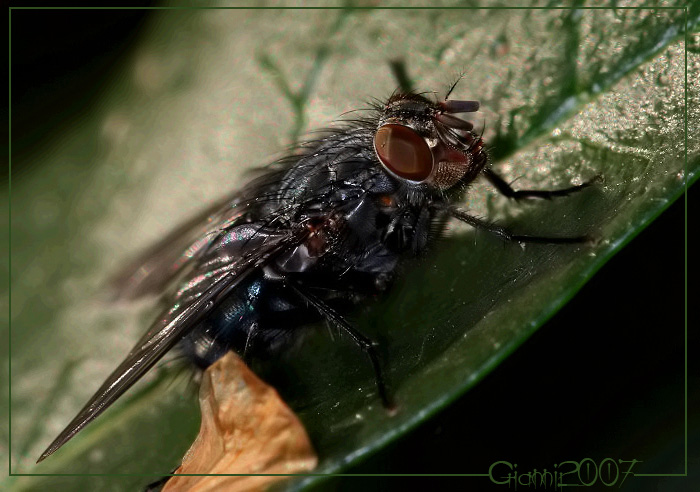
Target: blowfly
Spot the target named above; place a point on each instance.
(318, 231)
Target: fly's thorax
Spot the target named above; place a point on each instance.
(322, 232)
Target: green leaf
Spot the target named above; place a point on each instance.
(208, 94)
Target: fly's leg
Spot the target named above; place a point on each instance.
(398, 70)
(504, 233)
(158, 485)
(366, 344)
(505, 188)
(249, 343)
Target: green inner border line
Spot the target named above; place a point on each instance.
(159, 474)
(9, 243)
(685, 260)
(359, 7)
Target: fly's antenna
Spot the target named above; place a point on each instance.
(454, 84)
(456, 106)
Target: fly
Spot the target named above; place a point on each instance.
(320, 230)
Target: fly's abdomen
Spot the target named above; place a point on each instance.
(230, 326)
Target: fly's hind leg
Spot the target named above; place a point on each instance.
(250, 343)
(158, 485)
(503, 187)
(365, 343)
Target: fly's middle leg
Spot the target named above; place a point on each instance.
(366, 344)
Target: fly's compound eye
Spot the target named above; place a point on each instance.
(403, 152)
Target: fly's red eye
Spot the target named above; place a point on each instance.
(403, 152)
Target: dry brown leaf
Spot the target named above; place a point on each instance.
(246, 428)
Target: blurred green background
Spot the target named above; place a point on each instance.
(125, 122)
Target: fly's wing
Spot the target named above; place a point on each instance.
(199, 295)
(156, 267)
(159, 264)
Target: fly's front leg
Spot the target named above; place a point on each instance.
(365, 343)
(504, 233)
(505, 188)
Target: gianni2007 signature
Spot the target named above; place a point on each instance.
(584, 473)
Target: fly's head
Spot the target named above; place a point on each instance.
(424, 144)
